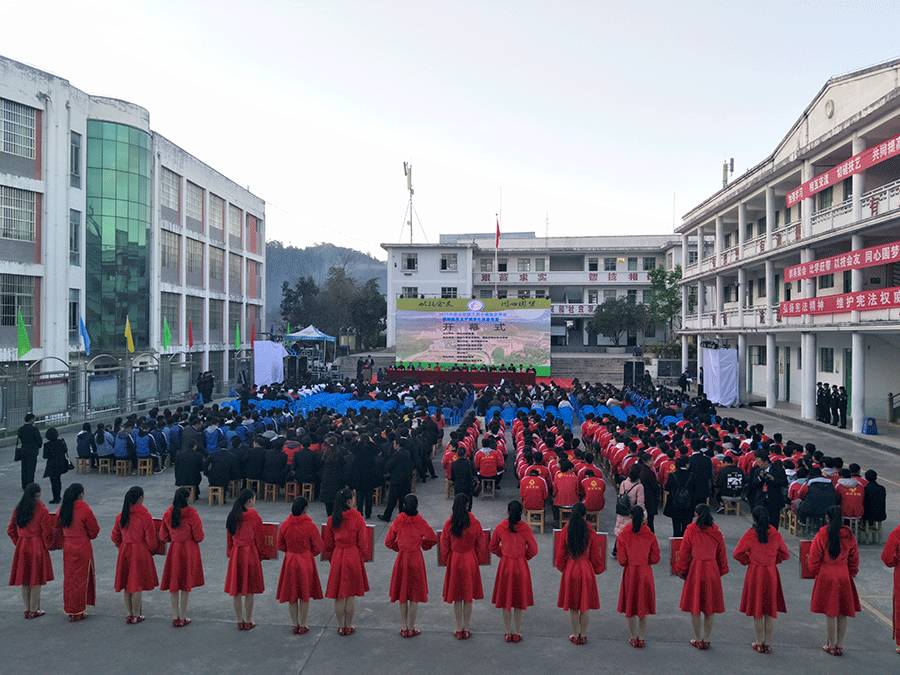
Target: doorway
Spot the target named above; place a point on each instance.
(848, 371)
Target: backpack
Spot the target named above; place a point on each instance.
(681, 497)
(623, 503)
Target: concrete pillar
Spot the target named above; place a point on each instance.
(742, 294)
(720, 295)
(699, 358)
(858, 382)
(742, 368)
(684, 305)
(856, 276)
(808, 376)
(719, 240)
(770, 216)
(771, 371)
(684, 252)
(742, 226)
(770, 291)
(701, 305)
(685, 353)
(806, 206)
(809, 285)
(858, 180)
(700, 235)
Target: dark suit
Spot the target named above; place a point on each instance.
(767, 488)
(30, 441)
(701, 471)
(189, 469)
(399, 467)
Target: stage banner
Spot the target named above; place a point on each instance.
(458, 331)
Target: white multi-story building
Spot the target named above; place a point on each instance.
(575, 273)
(800, 264)
(103, 218)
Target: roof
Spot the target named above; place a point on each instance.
(521, 242)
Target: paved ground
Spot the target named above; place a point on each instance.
(212, 644)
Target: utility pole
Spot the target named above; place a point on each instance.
(407, 171)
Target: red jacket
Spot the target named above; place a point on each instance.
(533, 491)
(565, 489)
(593, 488)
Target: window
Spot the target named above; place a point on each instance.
(540, 293)
(692, 258)
(609, 264)
(448, 262)
(787, 215)
(609, 295)
(524, 293)
(593, 264)
(17, 214)
(216, 217)
(448, 291)
(826, 359)
(826, 281)
(74, 159)
(409, 292)
(777, 297)
(761, 355)
(484, 293)
(216, 321)
(847, 188)
(234, 322)
(194, 318)
(16, 295)
(592, 296)
(848, 281)
(74, 314)
(502, 264)
(216, 264)
(825, 198)
(487, 265)
(193, 202)
(647, 296)
(649, 264)
(777, 219)
(540, 264)
(194, 255)
(234, 274)
(170, 310)
(235, 220)
(632, 295)
(748, 231)
(17, 129)
(523, 264)
(650, 330)
(501, 294)
(169, 189)
(410, 262)
(632, 264)
(74, 237)
(761, 287)
(169, 250)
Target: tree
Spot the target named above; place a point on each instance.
(665, 300)
(300, 302)
(616, 316)
(369, 314)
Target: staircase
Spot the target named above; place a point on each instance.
(598, 368)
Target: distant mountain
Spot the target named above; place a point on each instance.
(287, 263)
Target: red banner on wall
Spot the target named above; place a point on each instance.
(863, 301)
(859, 162)
(854, 260)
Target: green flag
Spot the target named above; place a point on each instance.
(167, 334)
(23, 343)
(287, 331)
(237, 335)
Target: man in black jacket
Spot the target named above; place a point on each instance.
(306, 463)
(700, 466)
(254, 460)
(767, 486)
(28, 442)
(729, 482)
(189, 468)
(399, 468)
(220, 469)
(651, 488)
(193, 433)
(275, 465)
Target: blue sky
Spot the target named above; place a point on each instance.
(594, 112)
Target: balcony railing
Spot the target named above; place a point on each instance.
(787, 234)
(729, 255)
(881, 199)
(754, 246)
(834, 217)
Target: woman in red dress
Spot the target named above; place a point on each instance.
(345, 540)
(30, 529)
(637, 550)
(890, 556)
(244, 538)
(134, 534)
(514, 543)
(462, 541)
(702, 561)
(79, 526)
(834, 560)
(580, 561)
(409, 535)
(301, 542)
(762, 549)
(183, 570)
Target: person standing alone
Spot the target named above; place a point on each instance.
(28, 442)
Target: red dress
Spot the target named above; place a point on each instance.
(762, 595)
(462, 580)
(135, 569)
(890, 556)
(347, 576)
(636, 553)
(79, 586)
(834, 593)
(31, 564)
(578, 585)
(245, 575)
(409, 536)
(702, 561)
(183, 570)
(512, 585)
(301, 542)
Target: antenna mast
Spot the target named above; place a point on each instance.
(407, 171)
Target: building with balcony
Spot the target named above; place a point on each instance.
(799, 263)
(575, 273)
(101, 218)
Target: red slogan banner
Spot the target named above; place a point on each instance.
(882, 254)
(863, 301)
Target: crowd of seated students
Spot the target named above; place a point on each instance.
(521, 396)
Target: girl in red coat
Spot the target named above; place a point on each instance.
(183, 570)
(702, 562)
(890, 556)
(462, 541)
(761, 549)
(409, 535)
(579, 560)
(79, 526)
(31, 529)
(345, 540)
(301, 542)
(134, 534)
(244, 537)
(636, 550)
(514, 543)
(834, 559)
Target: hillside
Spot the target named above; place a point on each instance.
(287, 263)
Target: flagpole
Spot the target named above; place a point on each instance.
(496, 248)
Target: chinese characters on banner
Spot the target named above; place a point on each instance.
(575, 309)
(854, 260)
(860, 162)
(863, 301)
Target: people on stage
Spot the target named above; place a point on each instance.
(134, 534)
(79, 527)
(183, 570)
(345, 541)
(513, 542)
(462, 541)
(30, 529)
(244, 538)
(637, 551)
(579, 559)
(298, 583)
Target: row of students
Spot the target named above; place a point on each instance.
(701, 561)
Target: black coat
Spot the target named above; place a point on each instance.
(820, 496)
(364, 477)
(701, 469)
(678, 479)
(332, 477)
(651, 489)
(275, 466)
(306, 466)
(220, 468)
(874, 497)
(192, 435)
(30, 441)
(399, 467)
(463, 476)
(767, 488)
(189, 467)
(55, 452)
(253, 462)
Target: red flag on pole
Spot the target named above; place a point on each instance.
(497, 238)
(190, 333)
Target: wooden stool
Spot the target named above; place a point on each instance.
(732, 506)
(104, 465)
(565, 512)
(448, 487)
(488, 488)
(234, 486)
(291, 490)
(376, 496)
(593, 518)
(270, 491)
(216, 494)
(145, 466)
(308, 491)
(123, 468)
(193, 496)
(792, 521)
(84, 465)
(872, 531)
(853, 524)
(255, 485)
(535, 519)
